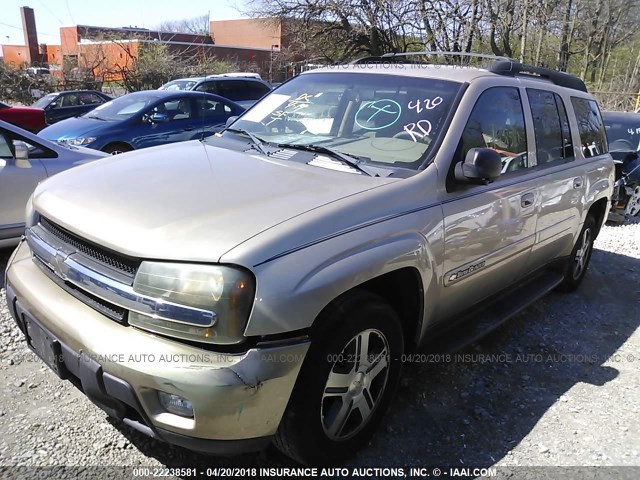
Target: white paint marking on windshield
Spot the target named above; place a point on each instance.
(265, 107)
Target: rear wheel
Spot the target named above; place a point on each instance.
(117, 148)
(346, 383)
(580, 256)
(633, 205)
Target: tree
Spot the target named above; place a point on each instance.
(196, 25)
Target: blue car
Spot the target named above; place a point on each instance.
(61, 105)
(145, 119)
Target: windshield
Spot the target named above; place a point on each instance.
(3, 105)
(623, 131)
(388, 120)
(44, 101)
(121, 108)
(175, 85)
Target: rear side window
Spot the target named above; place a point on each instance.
(209, 87)
(551, 126)
(233, 89)
(593, 137)
(238, 90)
(256, 90)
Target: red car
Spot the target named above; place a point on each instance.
(29, 118)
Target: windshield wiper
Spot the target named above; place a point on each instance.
(257, 142)
(351, 160)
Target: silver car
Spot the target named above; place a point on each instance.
(266, 284)
(25, 160)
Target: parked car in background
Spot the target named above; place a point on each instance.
(25, 160)
(623, 133)
(61, 105)
(181, 84)
(243, 88)
(145, 119)
(34, 71)
(29, 118)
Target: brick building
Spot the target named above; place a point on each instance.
(251, 44)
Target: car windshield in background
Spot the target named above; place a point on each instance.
(623, 131)
(176, 85)
(3, 105)
(44, 101)
(121, 108)
(390, 120)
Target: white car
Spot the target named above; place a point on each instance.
(25, 160)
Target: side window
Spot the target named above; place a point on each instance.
(550, 124)
(89, 99)
(233, 89)
(209, 87)
(256, 90)
(69, 100)
(593, 137)
(174, 109)
(213, 110)
(5, 150)
(497, 122)
(35, 150)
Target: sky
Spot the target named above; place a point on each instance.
(53, 14)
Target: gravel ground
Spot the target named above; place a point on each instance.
(557, 385)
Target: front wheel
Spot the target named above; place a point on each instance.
(580, 256)
(117, 148)
(346, 383)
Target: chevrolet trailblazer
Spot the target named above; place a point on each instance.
(264, 284)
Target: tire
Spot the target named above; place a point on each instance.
(580, 256)
(325, 424)
(117, 148)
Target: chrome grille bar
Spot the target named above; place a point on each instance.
(65, 265)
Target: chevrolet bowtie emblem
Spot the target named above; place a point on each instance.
(57, 264)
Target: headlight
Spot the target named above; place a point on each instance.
(79, 141)
(224, 291)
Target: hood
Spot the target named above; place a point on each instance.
(74, 128)
(188, 201)
(27, 109)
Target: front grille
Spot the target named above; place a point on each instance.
(126, 265)
(110, 310)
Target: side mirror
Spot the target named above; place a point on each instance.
(21, 150)
(159, 118)
(480, 166)
(230, 121)
(52, 105)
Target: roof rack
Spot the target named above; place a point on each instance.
(397, 57)
(511, 67)
(500, 65)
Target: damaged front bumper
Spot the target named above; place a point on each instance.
(237, 399)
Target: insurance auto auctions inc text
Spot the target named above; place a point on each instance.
(375, 472)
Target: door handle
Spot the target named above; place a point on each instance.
(527, 200)
(577, 182)
(188, 128)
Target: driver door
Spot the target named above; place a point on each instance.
(490, 229)
(18, 180)
(170, 121)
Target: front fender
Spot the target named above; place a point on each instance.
(292, 290)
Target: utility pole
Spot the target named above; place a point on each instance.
(271, 63)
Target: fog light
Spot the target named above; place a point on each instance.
(176, 404)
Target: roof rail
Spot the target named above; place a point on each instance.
(513, 68)
(397, 57)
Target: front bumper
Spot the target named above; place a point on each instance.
(238, 399)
